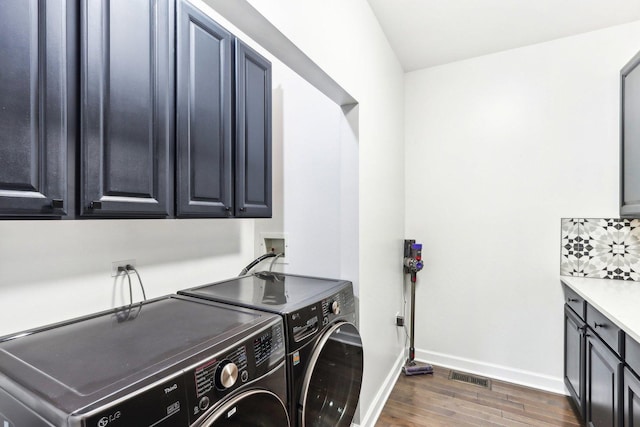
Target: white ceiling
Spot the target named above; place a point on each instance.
(425, 33)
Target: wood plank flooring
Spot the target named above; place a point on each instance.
(434, 400)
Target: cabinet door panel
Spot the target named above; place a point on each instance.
(253, 133)
(574, 359)
(127, 100)
(36, 105)
(631, 399)
(603, 374)
(204, 141)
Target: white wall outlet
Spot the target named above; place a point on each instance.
(116, 264)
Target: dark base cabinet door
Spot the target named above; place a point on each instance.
(37, 106)
(127, 87)
(631, 399)
(253, 134)
(204, 186)
(574, 358)
(603, 377)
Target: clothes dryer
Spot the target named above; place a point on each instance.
(324, 348)
(172, 361)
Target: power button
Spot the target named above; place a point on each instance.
(204, 403)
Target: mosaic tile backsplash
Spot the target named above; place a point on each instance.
(601, 247)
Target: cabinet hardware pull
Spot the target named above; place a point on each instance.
(598, 325)
(57, 204)
(572, 300)
(243, 209)
(95, 205)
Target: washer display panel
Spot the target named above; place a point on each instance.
(255, 408)
(333, 380)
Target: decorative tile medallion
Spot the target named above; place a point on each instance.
(606, 248)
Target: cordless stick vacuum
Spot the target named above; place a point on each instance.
(412, 264)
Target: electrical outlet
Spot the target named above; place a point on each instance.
(399, 320)
(116, 264)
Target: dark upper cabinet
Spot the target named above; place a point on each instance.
(127, 108)
(204, 142)
(96, 120)
(37, 92)
(221, 169)
(253, 134)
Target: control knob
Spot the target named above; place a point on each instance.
(226, 374)
(335, 307)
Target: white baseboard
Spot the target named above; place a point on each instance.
(374, 410)
(503, 373)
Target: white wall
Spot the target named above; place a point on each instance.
(498, 149)
(55, 270)
(345, 40)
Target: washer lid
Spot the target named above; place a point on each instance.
(78, 362)
(274, 292)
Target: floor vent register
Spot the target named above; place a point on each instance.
(470, 379)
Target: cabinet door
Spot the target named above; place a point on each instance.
(574, 358)
(603, 377)
(127, 86)
(36, 105)
(631, 399)
(204, 186)
(253, 134)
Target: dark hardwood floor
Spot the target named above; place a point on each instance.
(434, 400)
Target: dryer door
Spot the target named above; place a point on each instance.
(331, 387)
(254, 408)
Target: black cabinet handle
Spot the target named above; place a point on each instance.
(599, 325)
(95, 205)
(57, 204)
(572, 300)
(243, 209)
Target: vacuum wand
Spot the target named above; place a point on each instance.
(412, 264)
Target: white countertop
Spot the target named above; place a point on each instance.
(619, 300)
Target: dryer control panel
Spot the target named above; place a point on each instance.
(305, 323)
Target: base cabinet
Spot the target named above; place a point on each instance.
(595, 366)
(631, 411)
(574, 358)
(603, 384)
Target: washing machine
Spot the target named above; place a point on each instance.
(172, 361)
(323, 345)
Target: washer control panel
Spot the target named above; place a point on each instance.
(165, 406)
(216, 377)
